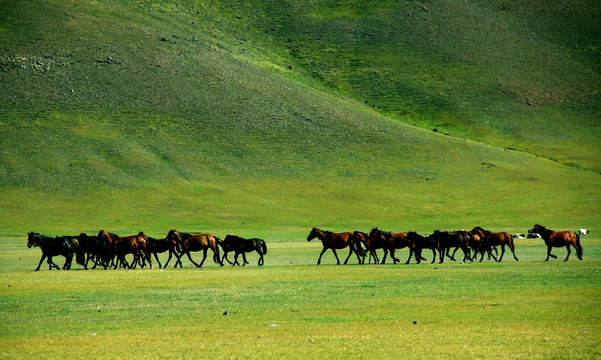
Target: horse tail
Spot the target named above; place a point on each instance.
(263, 247)
(578, 246)
(215, 248)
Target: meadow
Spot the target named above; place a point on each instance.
(292, 308)
(267, 118)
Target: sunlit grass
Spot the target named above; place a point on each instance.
(513, 309)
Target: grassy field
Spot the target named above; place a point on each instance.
(267, 118)
(293, 308)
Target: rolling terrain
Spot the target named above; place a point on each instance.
(268, 118)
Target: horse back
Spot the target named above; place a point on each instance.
(397, 240)
(200, 242)
(341, 240)
(562, 238)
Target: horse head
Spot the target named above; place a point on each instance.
(537, 229)
(313, 234)
(32, 239)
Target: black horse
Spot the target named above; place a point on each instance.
(444, 240)
(54, 246)
(417, 243)
(242, 246)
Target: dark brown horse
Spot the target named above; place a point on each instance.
(53, 246)
(477, 244)
(390, 242)
(417, 243)
(490, 239)
(191, 243)
(137, 245)
(359, 238)
(156, 246)
(334, 241)
(242, 246)
(444, 240)
(558, 239)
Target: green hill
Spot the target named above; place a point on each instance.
(267, 118)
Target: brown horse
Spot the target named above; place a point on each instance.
(334, 241)
(490, 239)
(189, 242)
(137, 245)
(359, 237)
(476, 243)
(390, 242)
(558, 239)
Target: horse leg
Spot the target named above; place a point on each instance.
(190, 258)
(168, 259)
(52, 264)
(261, 261)
(350, 252)
(320, 255)
(156, 257)
(244, 258)
(417, 258)
(179, 260)
(512, 247)
(41, 261)
(453, 255)
(226, 259)
(336, 255)
(433, 256)
(569, 252)
(204, 257)
(548, 252)
(502, 252)
(385, 254)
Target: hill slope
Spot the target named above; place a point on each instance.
(150, 116)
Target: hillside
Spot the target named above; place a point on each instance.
(215, 117)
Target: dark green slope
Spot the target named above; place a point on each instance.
(518, 74)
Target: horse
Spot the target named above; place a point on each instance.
(389, 241)
(444, 240)
(417, 243)
(477, 244)
(359, 238)
(491, 239)
(334, 241)
(53, 246)
(558, 239)
(137, 245)
(242, 246)
(189, 242)
(156, 246)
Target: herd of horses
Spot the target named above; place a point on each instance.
(472, 243)
(109, 250)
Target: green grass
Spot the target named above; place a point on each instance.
(293, 308)
(265, 119)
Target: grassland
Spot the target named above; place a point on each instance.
(264, 119)
(293, 308)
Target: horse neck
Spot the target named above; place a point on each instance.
(321, 234)
(545, 233)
